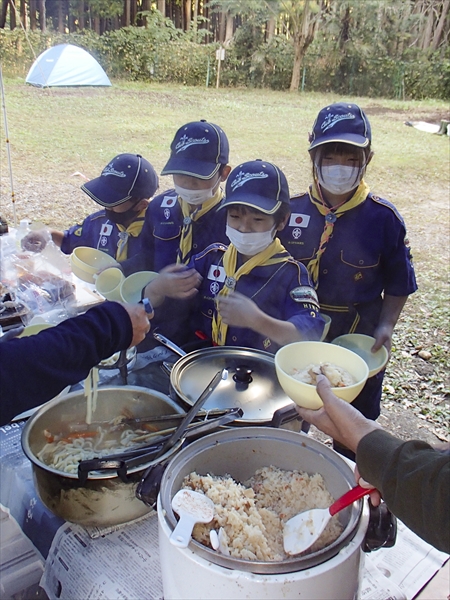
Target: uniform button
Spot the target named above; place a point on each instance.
(210, 312)
(325, 271)
(361, 262)
(194, 245)
(234, 338)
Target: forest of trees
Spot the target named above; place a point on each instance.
(282, 44)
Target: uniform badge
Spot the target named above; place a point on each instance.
(305, 295)
(168, 201)
(296, 233)
(299, 220)
(217, 273)
(106, 229)
(214, 288)
(78, 231)
(103, 241)
(166, 214)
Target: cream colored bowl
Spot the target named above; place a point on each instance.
(33, 329)
(108, 283)
(132, 286)
(87, 262)
(361, 344)
(300, 355)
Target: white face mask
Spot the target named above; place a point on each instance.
(250, 244)
(194, 197)
(339, 179)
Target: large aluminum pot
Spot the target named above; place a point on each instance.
(252, 383)
(104, 500)
(240, 452)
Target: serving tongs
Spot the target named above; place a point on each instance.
(148, 488)
(122, 462)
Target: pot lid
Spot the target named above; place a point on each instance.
(252, 383)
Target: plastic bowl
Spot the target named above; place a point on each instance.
(87, 262)
(108, 283)
(302, 354)
(132, 286)
(361, 344)
(326, 329)
(33, 329)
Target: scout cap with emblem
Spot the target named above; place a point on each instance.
(341, 122)
(258, 184)
(125, 177)
(198, 149)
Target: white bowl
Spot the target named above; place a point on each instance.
(87, 262)
(361, 344)
(108, 283)
(132, 286)
(300, 355)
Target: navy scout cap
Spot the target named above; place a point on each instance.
(198, 149)
(126, 176)
(341, 122)
(259, 184)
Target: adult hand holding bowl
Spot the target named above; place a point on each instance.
(295, 357)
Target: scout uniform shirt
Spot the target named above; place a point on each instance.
(367, 254)
(98, 232)
(162, 233)
(281, 290)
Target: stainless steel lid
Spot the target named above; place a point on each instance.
(252, 383)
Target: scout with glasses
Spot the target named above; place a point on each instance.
(353, 243)
(252, 292)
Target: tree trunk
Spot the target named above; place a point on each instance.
(42, 15)
(33, 15)
(133, 11)
(222, 21)
(194, 20)
(229, 29)
(426, 39)
(162, 7)
(187, 15)
(60, 17)
(81, 22)
(126, 13)
(440, 26)
(12, 17)
(23, 13)
(97, 25)
(270, 28)
(4, 13)
(304, 33)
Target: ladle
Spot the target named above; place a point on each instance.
(304, 529)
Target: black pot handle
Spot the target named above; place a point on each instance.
(382, 529)
(284, 415)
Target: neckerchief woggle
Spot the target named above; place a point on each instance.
(331, 215)
(134, 229)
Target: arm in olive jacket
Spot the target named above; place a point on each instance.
(414, 480)
(35, 369)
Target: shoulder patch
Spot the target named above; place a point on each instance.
(305, 294)
(387, 204)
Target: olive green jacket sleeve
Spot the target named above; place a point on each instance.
(414, 480)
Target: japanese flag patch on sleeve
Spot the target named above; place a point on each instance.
(168, 201)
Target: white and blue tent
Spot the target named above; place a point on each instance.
(66, 65)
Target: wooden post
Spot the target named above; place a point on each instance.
(220, 55)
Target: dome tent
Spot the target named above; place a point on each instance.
(66, 65)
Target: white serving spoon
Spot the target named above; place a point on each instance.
(304, 529)
(192, 507)
(218, 541)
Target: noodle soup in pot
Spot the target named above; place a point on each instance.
(56, 437)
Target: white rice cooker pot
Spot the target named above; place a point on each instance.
(200, 572)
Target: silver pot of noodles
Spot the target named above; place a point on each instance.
(259, 477)
(58, 436)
